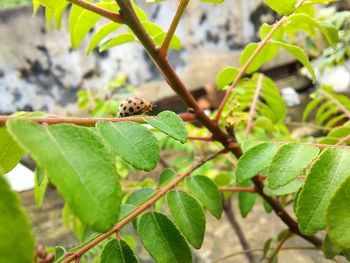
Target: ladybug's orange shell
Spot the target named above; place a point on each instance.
(133, 106)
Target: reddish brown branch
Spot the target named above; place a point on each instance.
(343, 140)
(85, 121)
(200, 138)
(238, 189)
(115, 17)
(179, 12)
(254, 106)
(336, 102)
(160, 193)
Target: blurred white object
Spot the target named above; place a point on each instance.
(290, 96)
(337, 77)
(20, 178)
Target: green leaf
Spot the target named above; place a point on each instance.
(16, 243)
(117, 251)
(323, 179)
(329, 31)
(162, 239)
(59, 252)
(283, 7)
(246, 201)
(101, 33)
(169, 123)
(255, 160)
(175, 42)
(166, 176)
(80, 166)
(10, 152)
(338, 213)
(311, 106)
(289, 162)
(51, 3)
(289, 188)
(267, 53)
(40, 183)
(188, 216)
(330, 250)
(226, 76)
(81, 21)
(299, 54)
(140, 196)
(207, 193)
(118, 40)
(134, 143)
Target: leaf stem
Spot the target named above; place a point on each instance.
(179, 12)
(84, 121)
(200, 138)
(115, 17)
(244, 68)
(279, 246)
(160, 193)
(254, 106)
(336, 102)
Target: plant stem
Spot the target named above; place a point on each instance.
(251, 59)
(336, 102)
(279, 247)
(170, 76)
(85, 121)
(232, 219)
(200, 138)
(343, 140)
(160, 193)
(262, 249)
(238, 189)
(179, 12)
(254, 106)
(98, 10)
(283, 215)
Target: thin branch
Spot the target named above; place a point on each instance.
(254, 106)
(115, 17)
(283, 215)
(250, 60)
(262, 249)
(336, 102)
(235, 225)
(238, 189)
(200, 138)
(85, 121)
(307, 124)
(279, 247)
(343, 140)
(179, 12)
(160, 193)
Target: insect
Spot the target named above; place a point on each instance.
(134, 106)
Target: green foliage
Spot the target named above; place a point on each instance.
(162, 239)
(10, 152)
(117, 251)
(16, 243)
(321, 182)
(207, 193)
(255, 160)
(13, 3)
(188, 216)
(78, 155)
(289, 162)
(134, 143)
(171, 124)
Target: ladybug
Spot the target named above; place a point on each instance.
(134, 106)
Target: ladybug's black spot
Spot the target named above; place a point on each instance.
(121, 105)
(141, 102)
(129, 101)
(126, 114)
(131, 109)
(121, 114)
(134, 103)
(138, 107)
(124, 108)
